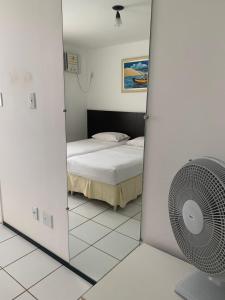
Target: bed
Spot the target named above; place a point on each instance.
(112, 174)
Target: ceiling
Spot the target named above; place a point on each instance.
(91, 23)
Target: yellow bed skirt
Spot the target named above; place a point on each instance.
(115, 195)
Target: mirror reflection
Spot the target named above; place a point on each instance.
(106, 46)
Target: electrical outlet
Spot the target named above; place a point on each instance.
(47, 220)
(35, 213)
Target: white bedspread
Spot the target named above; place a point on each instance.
(89, 145)
(110, 166)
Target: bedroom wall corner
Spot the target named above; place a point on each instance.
(33, 147)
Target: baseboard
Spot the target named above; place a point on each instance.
(56, 257)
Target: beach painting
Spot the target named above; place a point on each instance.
(135, 74)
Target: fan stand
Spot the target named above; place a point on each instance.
(199, 286)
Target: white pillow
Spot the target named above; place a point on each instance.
(138, 142)
(110, 136)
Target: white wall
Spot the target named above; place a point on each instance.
(75, 98)
(33, 149)
(187, 102)
(105, 92)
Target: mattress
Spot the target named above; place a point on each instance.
(111, 166)
(89, 145)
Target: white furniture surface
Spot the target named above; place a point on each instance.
(146, 274)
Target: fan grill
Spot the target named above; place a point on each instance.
(203, 181)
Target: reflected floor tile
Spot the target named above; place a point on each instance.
(76, 246)
(75, 220)
(117, 245)
(74, 201)
(110, 219)
(131, 228)
(130, 210)
(90, 232)
(137, 217)
(94, 263)
(138, 201)
(90, 209)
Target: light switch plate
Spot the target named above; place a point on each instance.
(1, 100)
(32, 101)
(47, 220)
(35, 213)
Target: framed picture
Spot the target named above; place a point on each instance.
(135, 74)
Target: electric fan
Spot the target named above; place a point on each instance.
(197, 217)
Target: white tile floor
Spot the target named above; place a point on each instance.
(27, 273)
(104, 237)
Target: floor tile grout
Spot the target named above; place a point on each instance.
(19, 295)
(105, 226)
(78, 225)
(28, 289)
(25, 289)
(93, 245)
(92, 219)
(8, 239)
(45, 277)
(88, 219)
(32, 295)
(89, 246)
(93, 216)
(111, 230)
(98, 250)
(107, 233)
(16, 281)
(20, 258)
(70, 209)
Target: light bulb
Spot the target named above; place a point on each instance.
(118, 22)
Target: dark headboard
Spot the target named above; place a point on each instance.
(131, 123)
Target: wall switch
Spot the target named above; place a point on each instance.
(1, 100)
(32, 101)
(47, 220)
(35, 213)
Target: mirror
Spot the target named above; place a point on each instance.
(106, 66)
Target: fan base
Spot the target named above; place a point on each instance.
(198, 286)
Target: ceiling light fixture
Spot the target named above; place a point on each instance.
(118, 8)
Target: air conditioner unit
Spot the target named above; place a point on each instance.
(71, 63)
